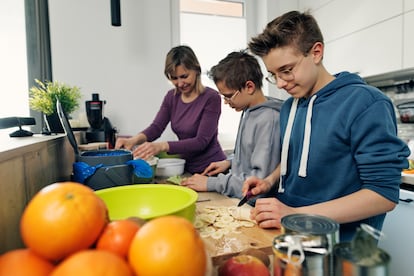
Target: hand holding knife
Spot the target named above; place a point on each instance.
(245, 198)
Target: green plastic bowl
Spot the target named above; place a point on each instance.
(148, 201)
(163, 154)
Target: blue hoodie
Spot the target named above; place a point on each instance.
(342, 139)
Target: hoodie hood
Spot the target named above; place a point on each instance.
(271, 102)
(343, 79)
(252, 114)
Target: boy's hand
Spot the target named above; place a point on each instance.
(216, 167)
(256, 185)
(197, 182)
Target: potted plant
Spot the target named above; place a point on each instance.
(43, 96)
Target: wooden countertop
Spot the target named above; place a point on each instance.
(27, 164)
(16, 146)
(233, 243)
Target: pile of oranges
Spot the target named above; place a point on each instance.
(66, 230)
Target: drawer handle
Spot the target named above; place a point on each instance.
(408, 200)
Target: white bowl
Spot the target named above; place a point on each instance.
(168, 167)
(153, 161)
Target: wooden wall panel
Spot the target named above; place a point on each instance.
(23, 172)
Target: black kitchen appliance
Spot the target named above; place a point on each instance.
(101, 129)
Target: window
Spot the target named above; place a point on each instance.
(13, 68)
(213, 7)
(205, 26)
(23, 23)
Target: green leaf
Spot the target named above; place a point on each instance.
(43, 96)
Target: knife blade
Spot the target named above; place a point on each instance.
(245, 198)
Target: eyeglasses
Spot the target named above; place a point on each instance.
(286, 75)
(230, 99)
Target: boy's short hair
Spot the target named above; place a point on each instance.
(296, 29)
(236, 69)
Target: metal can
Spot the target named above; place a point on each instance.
(313, 225)
(361, 256)
(300, 255)
(316, 227)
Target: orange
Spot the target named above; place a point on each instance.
(168, 245)
(61, 219)
(117, 236)
(348, 269)
(93, 262)
(22, 262)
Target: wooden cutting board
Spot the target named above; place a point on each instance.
(233, 243)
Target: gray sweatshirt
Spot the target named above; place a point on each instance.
(257, 148)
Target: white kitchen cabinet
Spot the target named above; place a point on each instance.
(399, 229)
(408, 55)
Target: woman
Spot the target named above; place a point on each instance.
(193, 111)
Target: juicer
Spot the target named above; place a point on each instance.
(101, 129)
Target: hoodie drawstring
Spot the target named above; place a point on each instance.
(306, 141)
(285, 143)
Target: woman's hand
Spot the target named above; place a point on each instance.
(149, 149)
(216, 167)
(268, 212)
(197, 182)
(124, 143)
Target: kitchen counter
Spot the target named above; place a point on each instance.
(234, 243)
(10, 147)
(407, 178)
(27, 164)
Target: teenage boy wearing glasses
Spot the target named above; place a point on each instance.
(341, 157)
(239, 78)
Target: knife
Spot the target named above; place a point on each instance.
(245, 198)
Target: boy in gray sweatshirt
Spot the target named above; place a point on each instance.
(239, 80)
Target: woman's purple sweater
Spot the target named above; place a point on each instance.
(196, 126)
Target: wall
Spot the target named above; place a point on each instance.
(197, 30)
(369, 37)
(125, 64)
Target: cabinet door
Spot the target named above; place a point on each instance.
(399, 230)
(12, 201)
